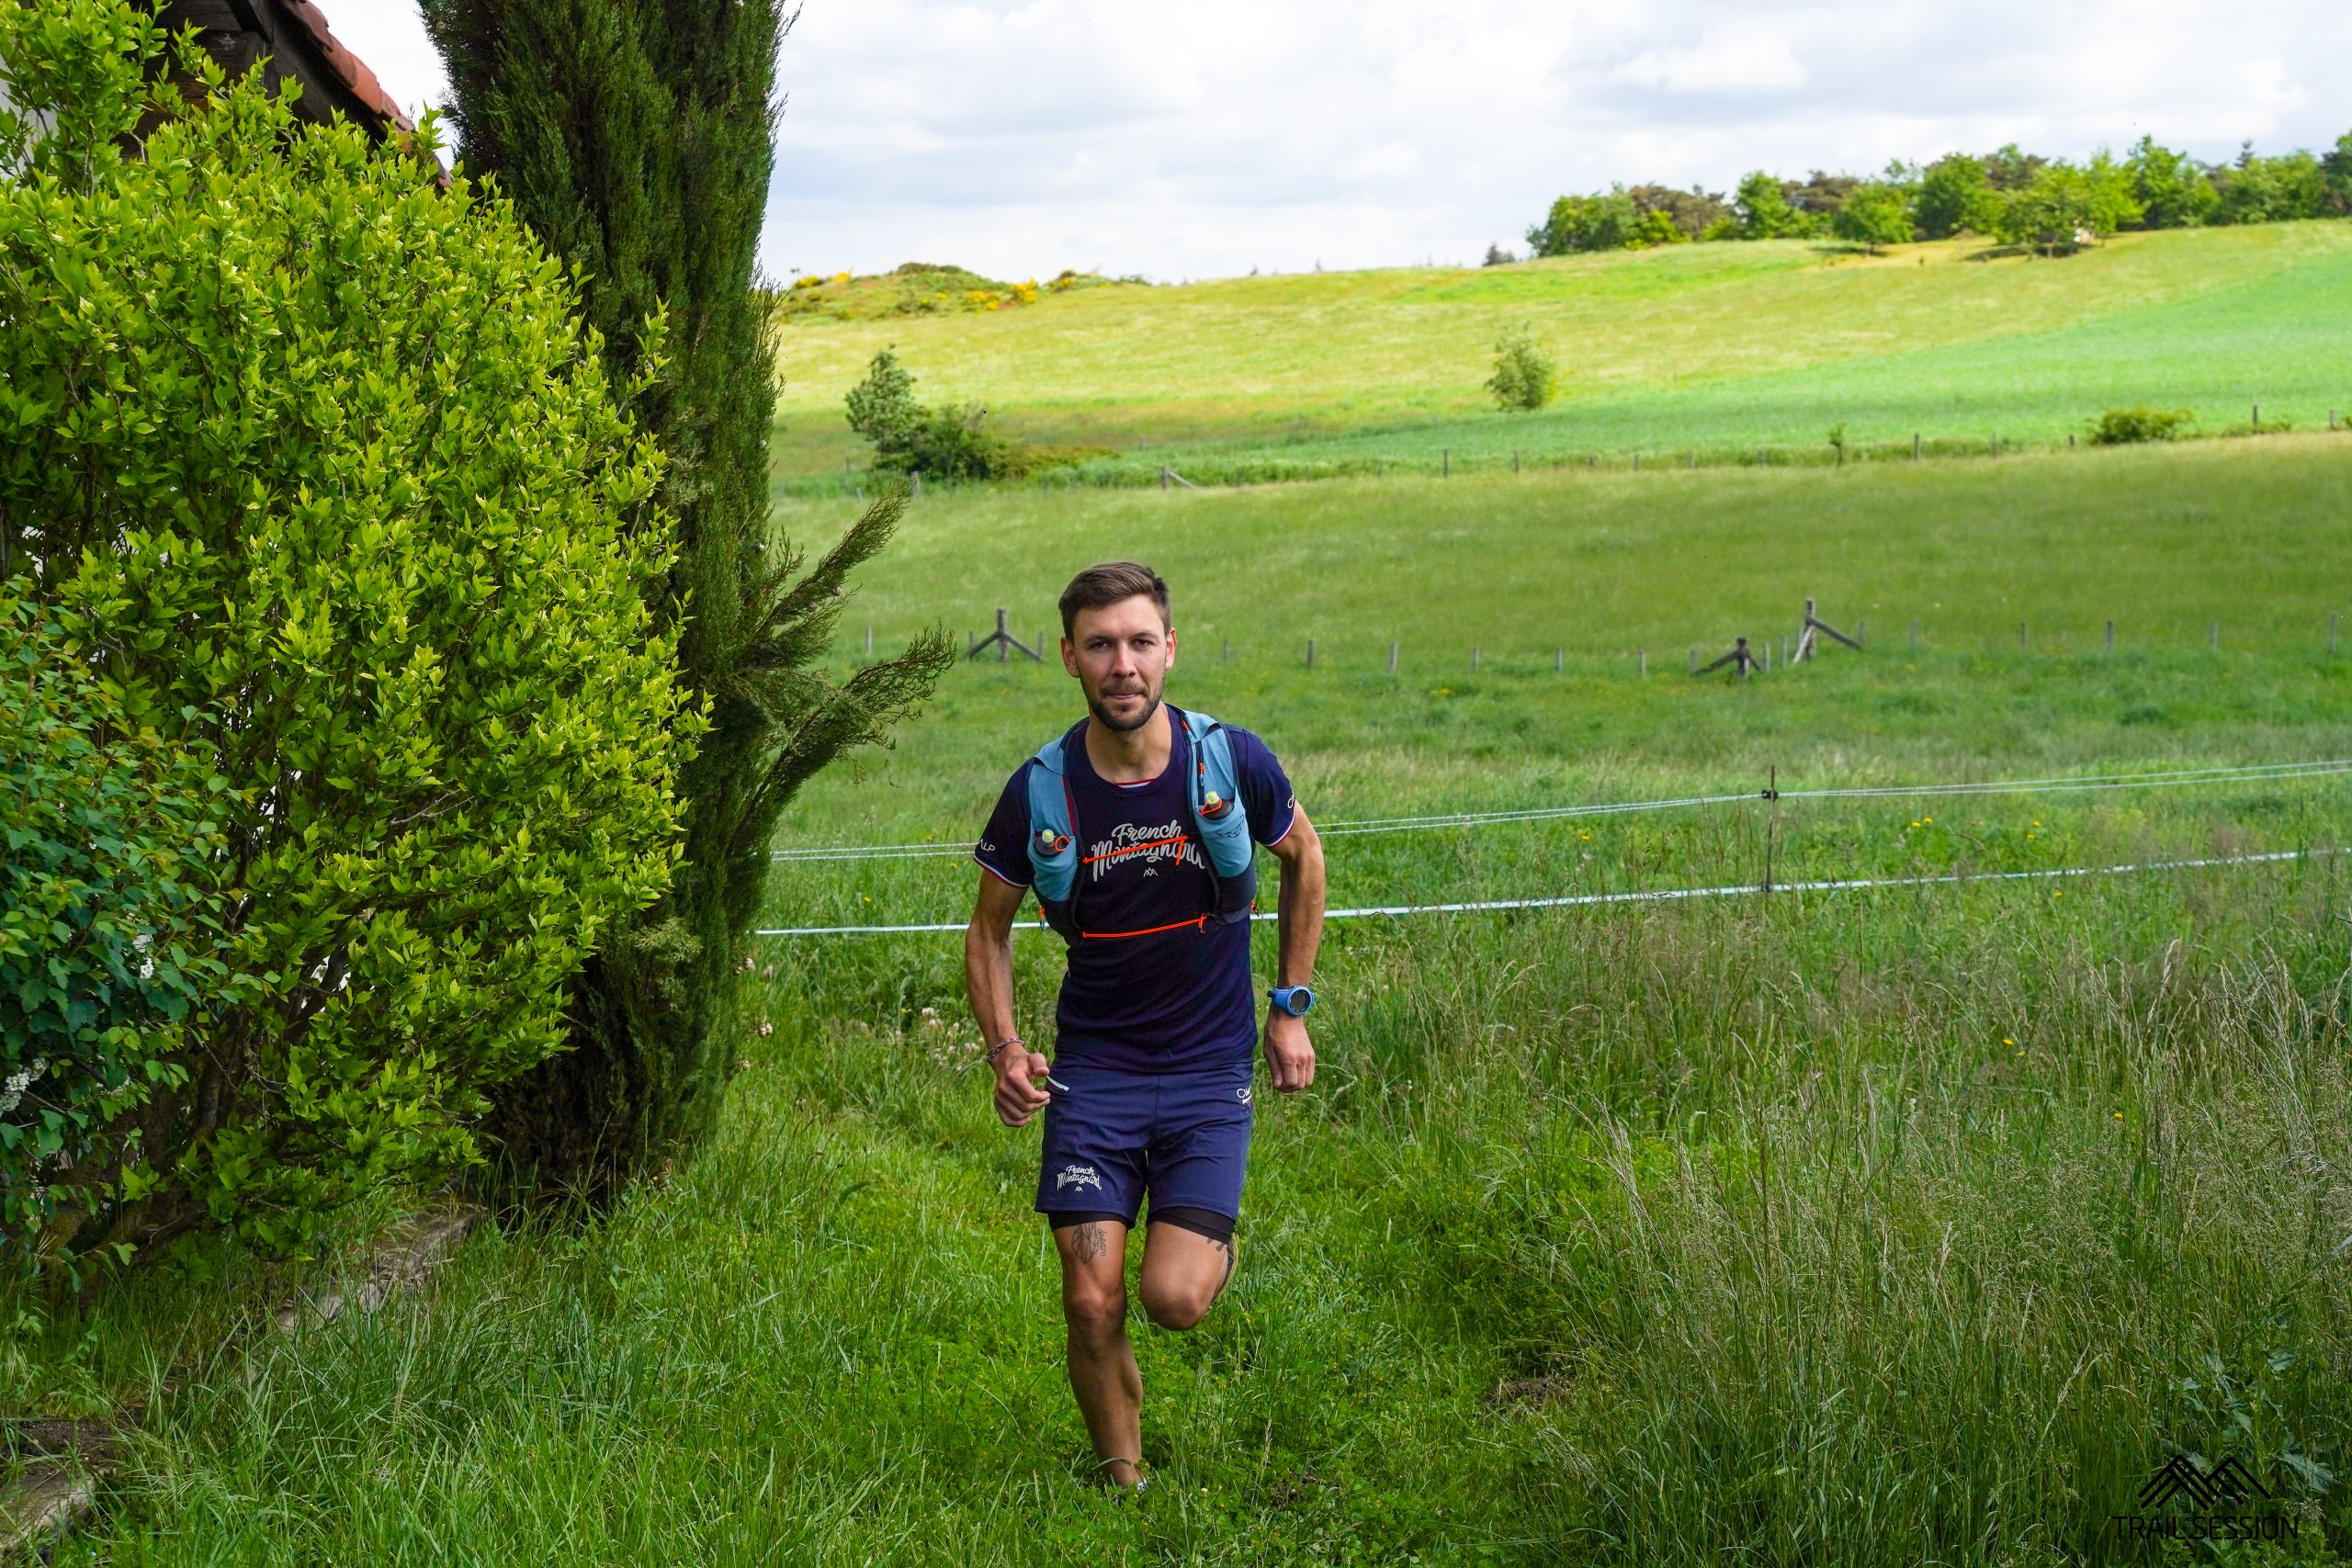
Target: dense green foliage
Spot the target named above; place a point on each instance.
(110, 935)
(636, 140)
(2064, 207)
(1525, 375)
(2024, 198)
(1876, 216)
(1955, 195)
(312, 469)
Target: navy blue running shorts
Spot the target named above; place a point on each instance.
(1114, 1137)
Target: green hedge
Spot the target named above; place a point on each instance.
(315, 472)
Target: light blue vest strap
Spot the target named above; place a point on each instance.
(1053, 847)
(1217, 812)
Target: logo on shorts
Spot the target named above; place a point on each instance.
(1242, 1094)
(1077, 1175)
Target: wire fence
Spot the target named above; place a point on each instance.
(2251, 773)
(1664, 894)
(1774, 650)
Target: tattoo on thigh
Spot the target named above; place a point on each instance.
(1090, 1243)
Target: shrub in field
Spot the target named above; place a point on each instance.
(945, 443)
(2122, 427)
(111, 845)
(1524, 375)
(318, 479)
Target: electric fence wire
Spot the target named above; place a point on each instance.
(1669, 895)
(2254, 773)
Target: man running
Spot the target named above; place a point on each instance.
(1130, 827)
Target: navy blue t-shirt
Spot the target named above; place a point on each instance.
(1159, 990)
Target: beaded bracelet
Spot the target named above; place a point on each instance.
(1007, 1039)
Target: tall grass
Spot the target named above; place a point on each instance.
(1606, 1236)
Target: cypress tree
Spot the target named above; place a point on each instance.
(635, 137)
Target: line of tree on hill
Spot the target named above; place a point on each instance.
(2016, 197)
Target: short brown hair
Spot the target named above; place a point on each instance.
(1108, 584)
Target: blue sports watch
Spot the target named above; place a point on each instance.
(1293, 999)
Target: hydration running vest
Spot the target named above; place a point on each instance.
(1220, 825)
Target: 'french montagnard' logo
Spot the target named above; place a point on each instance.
(1078, 1176)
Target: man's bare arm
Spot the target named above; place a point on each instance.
(1300, 919)
(1290, 1053)
(988, 982)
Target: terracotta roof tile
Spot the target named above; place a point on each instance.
(348, 65)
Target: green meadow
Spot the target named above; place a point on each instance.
(1703, 353)
(1910, 1225)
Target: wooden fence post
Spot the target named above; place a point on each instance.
(1225, 651)
(2020, 634)
(2110, 637)
(1641, 662)
(1445, 456)
(1514, 459)
(1392, 659)
(1915, 634)
(869, 642)
(1310, 653)
(1914, 446)
(1862, 633)
(1559, 655)
(2213, 637)
(1694, 661)
(1163, 476)
(1474, 659)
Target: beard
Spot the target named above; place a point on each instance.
(1103, 716)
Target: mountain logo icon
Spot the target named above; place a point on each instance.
(2228, 1484)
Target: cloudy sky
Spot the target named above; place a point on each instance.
(1204, 138)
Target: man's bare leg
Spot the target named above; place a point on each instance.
(1182, 1273)
(1102, 1364)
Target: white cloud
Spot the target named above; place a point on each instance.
(1745, 56)
(1021, 136)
